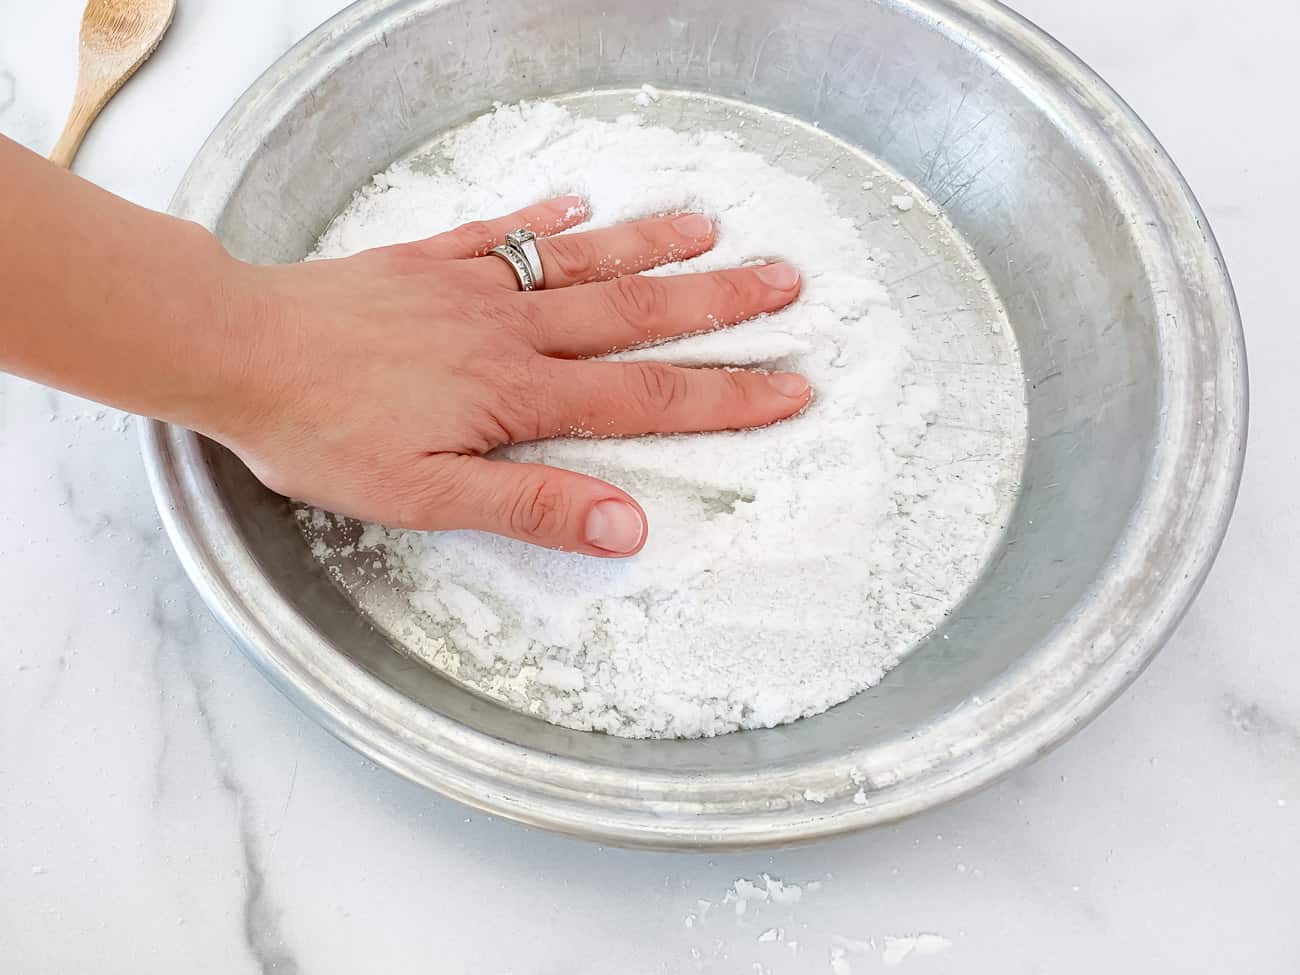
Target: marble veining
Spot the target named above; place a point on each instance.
(163, 809)
(262, 933)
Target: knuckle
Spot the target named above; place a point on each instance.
(523, 319)
(738, 389)
(539, 511)
(647, 242)
(659, 388)
(397, 258)
(521, 402)
(734, 291)
(572, 258)
(476, 236)
(639, 301)
(423, 502)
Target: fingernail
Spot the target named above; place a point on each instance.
(781, 276)
(789, 384)
(615, 527)
(693, 225)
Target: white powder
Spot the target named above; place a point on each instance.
(647, 96)
(855, 946)
(782, 893)
(787, 568)
(899, 949)
(766, 889)
(748, 890)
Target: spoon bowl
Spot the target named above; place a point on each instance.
(117, 36)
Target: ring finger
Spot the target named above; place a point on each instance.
(476, 238)
(599, 255)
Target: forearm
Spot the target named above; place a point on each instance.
(112, 301)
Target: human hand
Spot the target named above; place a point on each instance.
(373, 385)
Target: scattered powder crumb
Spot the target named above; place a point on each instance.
(868, 185)
(853, 945)
(839, 964)
(648, 95)
(860, 797)
(812, 795)
(771, 934)
(747, 890)
(902, 203)
(37, 871)
(787, 568)
(766, 889)
(898, 949)
(782, 893)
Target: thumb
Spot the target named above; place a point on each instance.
(540, 505)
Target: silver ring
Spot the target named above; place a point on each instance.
(518, 261)
(526, 242)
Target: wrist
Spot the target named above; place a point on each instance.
(231, 395)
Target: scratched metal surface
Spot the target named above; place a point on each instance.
(1081, 228)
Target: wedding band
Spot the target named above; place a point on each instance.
(525, 241)
(518, 261)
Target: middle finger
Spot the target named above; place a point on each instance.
(641, 310)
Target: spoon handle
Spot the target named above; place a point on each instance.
(85, 109)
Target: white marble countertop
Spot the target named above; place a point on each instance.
(163, 809)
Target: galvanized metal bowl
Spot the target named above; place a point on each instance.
(1125, 319)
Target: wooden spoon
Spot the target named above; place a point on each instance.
(117, 36)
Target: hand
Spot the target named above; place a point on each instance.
(375, 384)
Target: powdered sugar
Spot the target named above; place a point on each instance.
(787, 568)
(647, 96)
